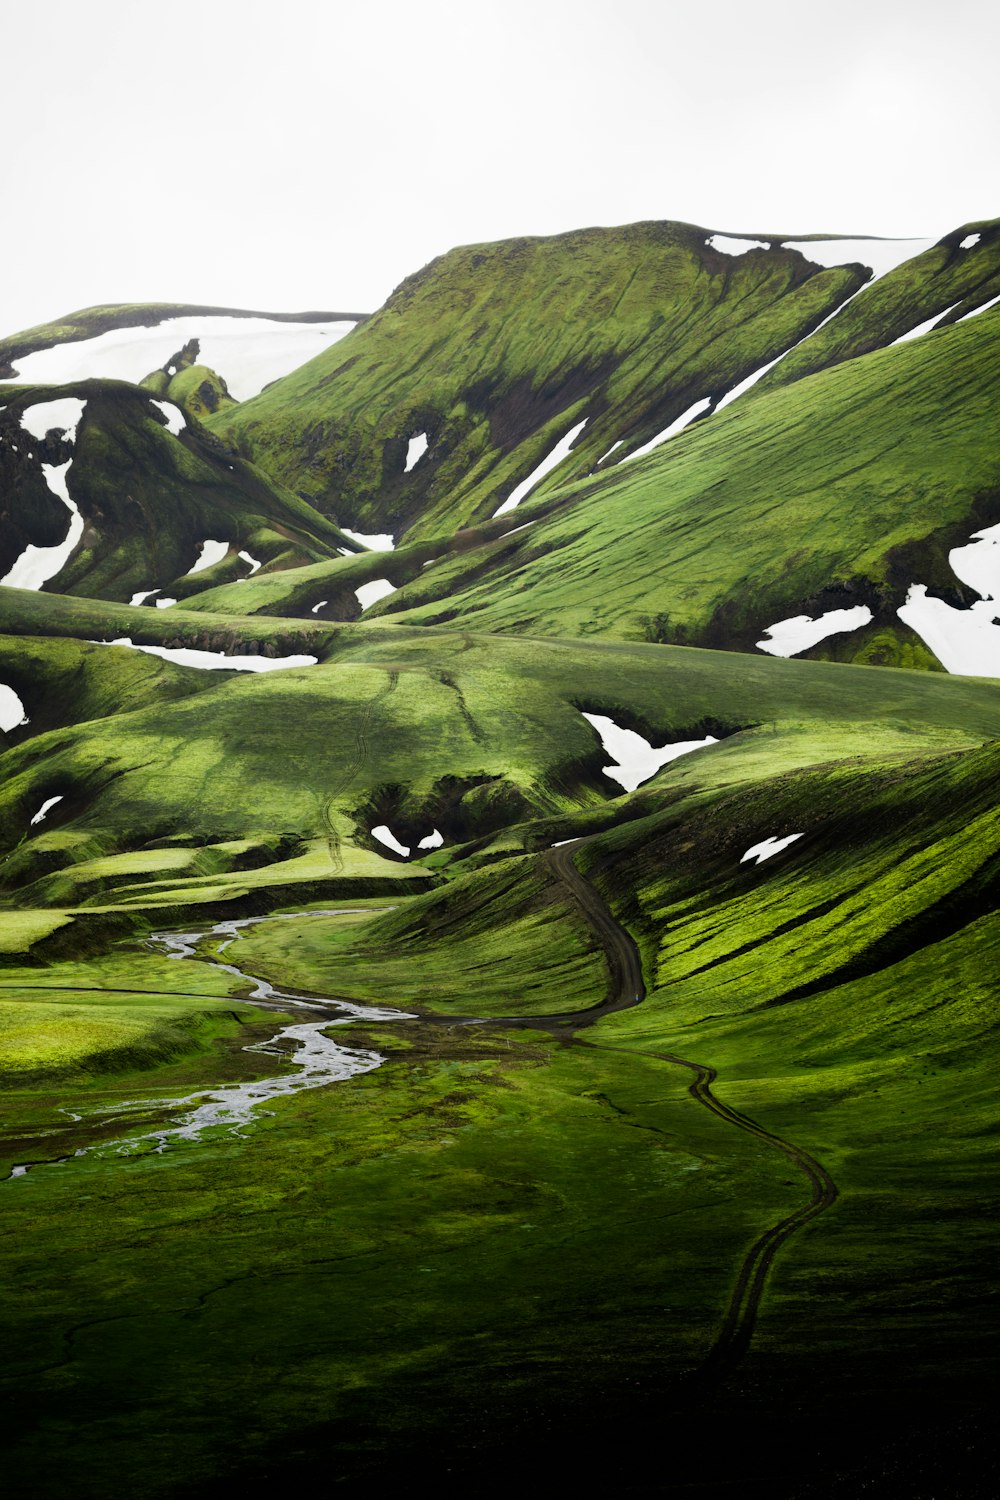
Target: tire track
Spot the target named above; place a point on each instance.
(626, 988)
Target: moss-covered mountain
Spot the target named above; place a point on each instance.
(683, 1115)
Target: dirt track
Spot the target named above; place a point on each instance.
(625, 989)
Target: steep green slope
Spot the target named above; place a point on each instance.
(496, 351)
(840, 489)
(954, 279)
(148, 495)
(417, 729)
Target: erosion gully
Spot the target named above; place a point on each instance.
(320, 1059)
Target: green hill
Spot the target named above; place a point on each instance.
(387, 1085)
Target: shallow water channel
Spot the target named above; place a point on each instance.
(317, 1058)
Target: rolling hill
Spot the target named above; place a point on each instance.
(498, 876)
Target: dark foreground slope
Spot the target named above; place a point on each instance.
(504, 1233)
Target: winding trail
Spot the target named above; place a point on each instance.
(627, 988)
(321, 1061)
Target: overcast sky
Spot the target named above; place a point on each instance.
(282, 155)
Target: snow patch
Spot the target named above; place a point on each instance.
(211, 553)
(965, 641)
(321, 605)
(881, 256)
(977, 310)
(767, 847)
(381, 542)
(637, 760)
(432, 841)
(416, 448)
(165, 603)
(44, 415)
(548, 463)
(46, 807)
(247, 352)
(789, 637)
(385, 836)
(969, 241)
(188, 656)
(369, 593)
(978, 563)
(12, 714)
(924, 327)
(142, 596)
(176, 422)
(676, 426)
(38, 565)
(603, 456)
(731, 244)
(252, 563)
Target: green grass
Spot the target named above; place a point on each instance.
(150, 498)
(506, 1241)
(837, 490)
(472, 735)
(497, 350)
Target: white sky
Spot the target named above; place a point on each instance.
(294, 155)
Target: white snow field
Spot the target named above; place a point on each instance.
(385, 836)
(247, 352)
(380, 541)
(415, 450)
(12, 713)
(789, 637)
(38, 565)
(637, 760)
(676, 426)
(925, 327)
(759, 852)
(189, 656)
(548, 463)
(370, 593)
(176, 420)
(64, 412)
(251, 563)
(731, 244)
(46, 808)
(965, 641)
(969, 241)
(211, 553)
(978, 563)
(881, 256)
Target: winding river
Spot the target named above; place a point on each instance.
(318, 1059)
